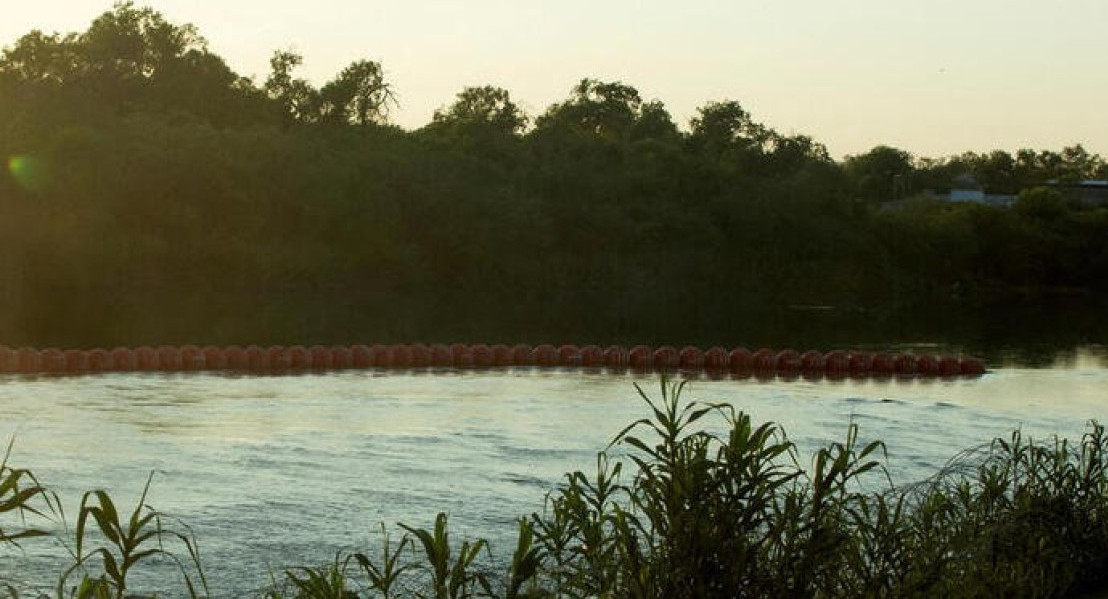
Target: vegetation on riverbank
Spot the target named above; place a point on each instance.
(675, 510)
(145, 179)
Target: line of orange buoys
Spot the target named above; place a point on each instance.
(298, 358)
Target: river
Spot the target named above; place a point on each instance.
(271, 472)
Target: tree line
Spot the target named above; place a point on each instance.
(153, 195)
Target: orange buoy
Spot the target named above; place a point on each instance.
(441, 356)
(235, 358)
(320, 357)
(8, 362)
(276, 358)
(341, 358)
(949, 366)
(763, 359)
(740, 359)
(836, 361)
(28, 360)
(400, 356)
(904, 364)
(972, 366)
(812, 374)
(786, 360)
(881, 363)
(716, 359)
(299, 358)
(75, 361)
(169, 358)
(763, 375)
(569, 355)
(860, 362)
(52, 360)
(421, 355)
(592, 356)
(257, 359)
(927, 365)
(482, 355)
(382, 355)
(461, 356)
(812, 361)
(834, 375)
(666, 358)
(99, 360)
(192, 358)
(522, 354)
(690, 358)
(146, 359)
(788, 374)
(640, 357)
(123, 359)
(615, 356)
(361, 356)
(544, 355)
(501, 355)
(214, 358)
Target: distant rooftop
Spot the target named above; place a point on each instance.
(1082, 183)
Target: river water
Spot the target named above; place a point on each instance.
(271, 472)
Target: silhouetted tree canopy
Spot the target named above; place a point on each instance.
(152, 195)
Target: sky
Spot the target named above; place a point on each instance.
(934, 77)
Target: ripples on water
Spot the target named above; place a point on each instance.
(278, 471)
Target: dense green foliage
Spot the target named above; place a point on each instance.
(707, 509)
(152, 195)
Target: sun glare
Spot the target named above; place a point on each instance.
(26, 171)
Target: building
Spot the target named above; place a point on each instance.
(1089, 191)
(966, 188)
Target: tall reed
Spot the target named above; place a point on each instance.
(21, 495)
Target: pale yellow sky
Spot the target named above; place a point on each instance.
(934, 78)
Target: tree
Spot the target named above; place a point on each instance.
(882, 174)
(128, 42)
(359, 95)
(996, 171)
(129, 60)
(1041, 204)
(654, 122)
(724, 126)
(606, 109)
(485, 106)
(40, 58)
(1078, 163)
(298, 98)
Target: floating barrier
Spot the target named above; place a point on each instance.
(481, 356)
(99, 360)
(715, 361)
(52, 360)
(592, 356)
(522, 355)
(501, 355)
(690, 358)
(640, 357)
(8, 361)
(616, 357)
(544, 355)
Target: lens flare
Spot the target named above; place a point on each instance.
(28, 172)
